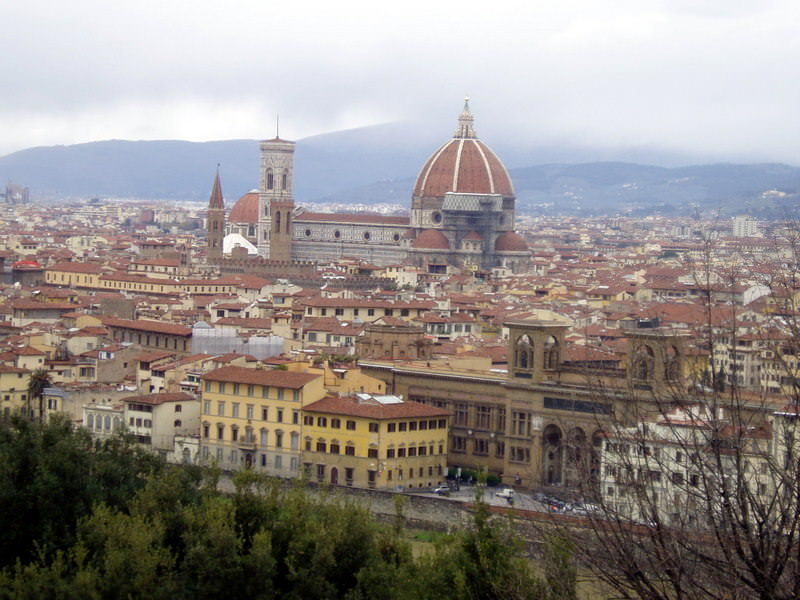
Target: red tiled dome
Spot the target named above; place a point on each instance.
(431, 239)
(474, 236)
(246, 209)
(463, 164)
(510, 242)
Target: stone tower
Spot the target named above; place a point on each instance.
(276, 202)
(216, 221)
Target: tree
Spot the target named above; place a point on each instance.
(39, 380)
(697, 494)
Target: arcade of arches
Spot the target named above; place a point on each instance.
(540, 424)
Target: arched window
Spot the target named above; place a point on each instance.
(551, 353)
(524, 358)
(284, 179)
(643, 362)
(286, 222)
(278, 222)
(108, 423)
(270, 179)
(90, 421)
(672, 364)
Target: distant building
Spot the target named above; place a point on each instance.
(745, 226)
(15, 194)
(462, 215)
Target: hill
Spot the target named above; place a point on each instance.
(378, 165)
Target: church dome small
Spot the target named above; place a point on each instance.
(431, 239)
(510, 242)
(464, 165)
(246, 209)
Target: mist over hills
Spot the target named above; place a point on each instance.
(378, 165)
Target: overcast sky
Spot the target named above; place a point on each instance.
(717, 79)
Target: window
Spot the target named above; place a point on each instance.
(265, 391)
(220, 432)
(402, 426)
(280, 393)
(350, 450)
(336, 423)
(250, 389)
(205, 430)
(460, 414)
(206, 407)
(422, 450)
(499, 449)
(322, 422)
(221, 387)
(458, 444)
(320, 472)
(412, 425)
(390, 453)
(234, 434)
(482, 416)
(334, 448)
(264, 413)
(500, 424)
(235, 408)
(520, 423)
(279, 439)
(373, 428)
(308, 420)
(391, 427)
(278, 462)
(372, 453)
(280, 416)
(208, 386)
(351, 425)
(520, 454)
(401, 453)
(296, 396)
(412, 451)
(481, 446)
(348, 475)
(235, 389)
(249, 411)
(221, 409)
(295, 417)
(321, 446)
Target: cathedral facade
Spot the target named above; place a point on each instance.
(462, 215)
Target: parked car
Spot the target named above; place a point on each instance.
(442, 490)
(506, 493)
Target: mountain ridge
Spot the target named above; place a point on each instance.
(378, 164)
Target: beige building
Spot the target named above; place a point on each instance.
(378, 442)
(252, 417)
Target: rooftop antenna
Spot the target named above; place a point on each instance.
(277, 126)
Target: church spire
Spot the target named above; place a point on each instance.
(216, 200)
(465, 128)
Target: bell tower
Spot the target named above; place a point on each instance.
(216, 221)
(276, 201)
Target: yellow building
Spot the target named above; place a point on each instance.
(252, 417)
(74, 274)
(14, 390)
(378, 442)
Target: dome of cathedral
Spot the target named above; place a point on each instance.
(509, 241)
(431, 239)
(463, 164)
(246, 209)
